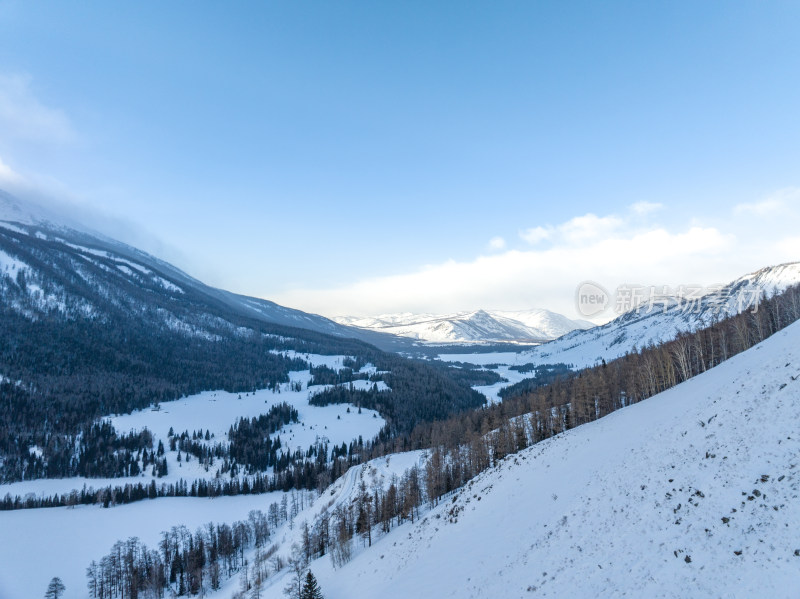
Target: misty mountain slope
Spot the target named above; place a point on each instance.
(524, 326)
(638, 329)
(77, 269)
(693, 492)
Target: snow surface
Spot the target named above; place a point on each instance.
(631, 505)
(10, 265)
(483, 359)
(166, 284)
(492, 392)
(36, 545)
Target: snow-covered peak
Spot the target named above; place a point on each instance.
(479, 326)
(551, 324)
(772, 279)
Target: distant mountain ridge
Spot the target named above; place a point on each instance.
(480, 326)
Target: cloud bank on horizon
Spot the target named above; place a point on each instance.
(631, 247)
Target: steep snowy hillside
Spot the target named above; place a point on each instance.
(693, 492)
(525, 326)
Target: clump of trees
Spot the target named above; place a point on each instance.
(97, 451)
(325, 375)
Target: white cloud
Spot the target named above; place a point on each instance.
(644, 208)
(536, 234)
(589, 227)
(762, 208)
(580, 229)
(777, 204)
(8, 176)
(497, 243)
(24, 117)
(790, 246)
(610, 249)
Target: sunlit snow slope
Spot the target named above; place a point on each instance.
(692, 493)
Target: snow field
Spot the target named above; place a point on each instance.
(217, 411)
(36, 545)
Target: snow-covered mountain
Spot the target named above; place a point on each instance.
(669, 316)
(691, 493)
(70, 272)
(524, 326)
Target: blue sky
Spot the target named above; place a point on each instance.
(330, 154)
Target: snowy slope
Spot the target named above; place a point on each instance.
(692, 493)
(551, 324)
(525, 326)
(637, 329)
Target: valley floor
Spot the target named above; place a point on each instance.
(216, 412)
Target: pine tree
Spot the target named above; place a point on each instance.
(311, 589)
(56, 588)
